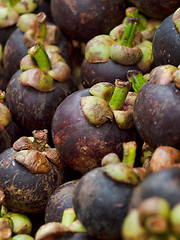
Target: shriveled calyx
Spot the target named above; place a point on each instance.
(35, 154)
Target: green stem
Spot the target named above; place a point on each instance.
(41, 28)
(119, 94)
(129, 152)
(134, 12)
(40, 56)
(68, 217)
(129, 32)
(137, 79)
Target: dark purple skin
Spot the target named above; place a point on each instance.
(165, 184)
(15, 50)
(166, 44)
(60, 200)
(81, 144)
(101, 204)
(32, 109)
(92, 73)
(157, 114)
(5, 33)
(24, 191)
(5, 139)
(156, 9)
(82, 20)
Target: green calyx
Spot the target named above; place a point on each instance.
(110, 102)
(41, 69)
(125, 55)
(146, 62)
(10, 10)
(119, 45)
(27, 21)
(5, 115)
(137, 79)
(176, 19)
(98, 48)
(96, 110)
(121, 172)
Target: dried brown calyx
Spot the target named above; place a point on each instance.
(35, 154)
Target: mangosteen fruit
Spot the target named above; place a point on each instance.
(60, 200)
(29, 174)
(32, 95)
(108, 57)
(156, 108)
(32, 28)
(156, 9)
(101, 197)
(166, 41)
(86, 19)
(164, 184)
(91, 123)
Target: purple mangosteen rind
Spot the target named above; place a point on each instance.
(154, 9)
(87, 23)
(98, 222)
(26, 192)
(166, 43)
(156, 112)
(39, 110)
(60, 200)
(81, 144)
(164, 184)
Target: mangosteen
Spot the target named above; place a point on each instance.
(101, 198)
(164, 184)
(85, 127)
(166, 41)
(156, 109)
(156, 9)
(60, 200)
(32, 28)
(29, 174)
(108, 57)
(86, 19)
(32, 95)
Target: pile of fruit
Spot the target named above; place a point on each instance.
(89, 120)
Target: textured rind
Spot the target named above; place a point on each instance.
(81, 144)
(32, 109)
(166, 44)
(101, 204)
(60, 200)
(24, 191)
(157, 114)
(86, 19)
